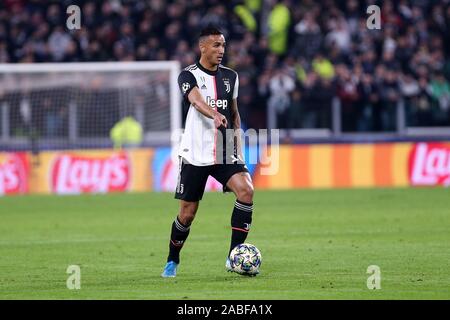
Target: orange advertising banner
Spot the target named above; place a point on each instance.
(357, 165)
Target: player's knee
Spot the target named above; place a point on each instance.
(186, 217)
(245, 194)
(187, 212)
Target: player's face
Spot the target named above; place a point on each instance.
(213, 49)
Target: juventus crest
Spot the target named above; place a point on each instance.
(226, 82)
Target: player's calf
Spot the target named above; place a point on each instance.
(241, 220)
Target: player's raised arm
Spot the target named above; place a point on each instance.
(196, 99)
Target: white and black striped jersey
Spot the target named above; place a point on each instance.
(201, 144)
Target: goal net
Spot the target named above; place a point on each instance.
(53, 106)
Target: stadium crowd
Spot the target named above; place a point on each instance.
(293, 57)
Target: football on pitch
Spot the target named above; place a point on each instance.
(245, 259)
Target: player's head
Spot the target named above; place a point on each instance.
(212, 45)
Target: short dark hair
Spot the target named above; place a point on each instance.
(210, 30)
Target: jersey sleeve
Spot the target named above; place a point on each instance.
(236, 88)
(186, 82)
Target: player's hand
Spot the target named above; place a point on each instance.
(220, 120)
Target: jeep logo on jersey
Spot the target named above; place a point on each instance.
(219, 103)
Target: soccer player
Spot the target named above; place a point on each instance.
(210, 93)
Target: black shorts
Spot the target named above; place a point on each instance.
(192, 179)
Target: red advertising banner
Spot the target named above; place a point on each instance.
(429, 164)
(14, 172)
(72, 174)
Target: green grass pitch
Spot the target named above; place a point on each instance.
(314, 245)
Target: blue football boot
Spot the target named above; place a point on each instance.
(170, 270)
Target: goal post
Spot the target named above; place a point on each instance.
(75, 105)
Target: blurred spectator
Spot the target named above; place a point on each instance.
(278, 22)
(347, 91)
(126, 133)
(370, 105)
(409, 89)
(245, 14)
(325, 92)
(339, 34)
(54, 118)
(322, 66)
(440, 94)
(281, 85)
(246, 95)
(421, 109)
(390, 96)
(308, 36)
(295, 112)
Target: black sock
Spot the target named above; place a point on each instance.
(179, 234)
(241, 220)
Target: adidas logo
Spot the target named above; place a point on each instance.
(203, 87)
